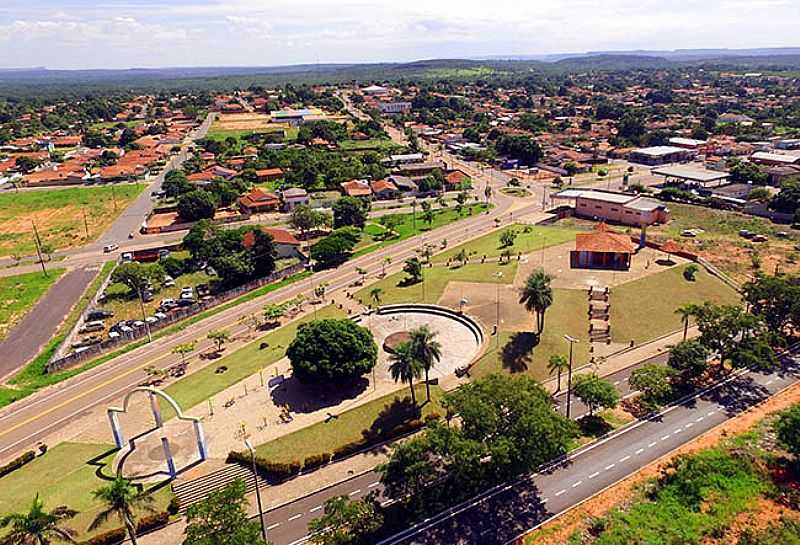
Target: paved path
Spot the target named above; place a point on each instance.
(39, 325)
(503, 513)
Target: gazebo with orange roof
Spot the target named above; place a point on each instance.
(602, 249)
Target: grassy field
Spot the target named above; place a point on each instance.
(66, 475)
(529, 239)
(20, 293)
(59, 216)
(110, 124)
(644, 309)
(348, 427)
(408, 226)
(382, 144)
(521, 352)
(434, 284)
(218, 133)
(242, 363)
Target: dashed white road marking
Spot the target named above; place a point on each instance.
(577, 484)
(373, 485)
(651, 445)
(387, 502)
(313, 509)
(295, 517)
(689, 425)
(699, 419)
(665, 438)
(610, 466)
(624, 459)
(770, 381)
(641, 450)
(544, 500)
(676, 432)
(560, 492)
(595, 474)
(354, 492)
(709, 413)
(273, 526)
(616, 383)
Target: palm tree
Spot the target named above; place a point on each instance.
(37, 526)
(121, 499)
(427, 350)
(686, 312)
(557, 363)
(405, 366)
(375, 296)
(537, 296)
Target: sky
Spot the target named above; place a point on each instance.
(74, 34)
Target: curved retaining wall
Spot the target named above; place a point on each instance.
(469, 322)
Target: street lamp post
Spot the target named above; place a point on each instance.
(571, 341)
(258, 492)
(498, 275)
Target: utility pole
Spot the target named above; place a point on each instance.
(38, 247)
(114, 195)
(85, 224)
(571, 341)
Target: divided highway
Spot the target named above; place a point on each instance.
(503, 513)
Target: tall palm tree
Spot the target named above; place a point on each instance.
(37, 526)
(375, 296)
(427, 350)
(686, 312)
(557, 363)
(537, 296)
(405, 367)
(121, 499)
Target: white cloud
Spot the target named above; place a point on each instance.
(258, 32)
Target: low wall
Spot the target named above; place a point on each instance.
(173, 317)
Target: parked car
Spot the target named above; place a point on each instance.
(87, 341)
(688, 233)
(108, 248)
(98, 314)
(187, 291)
(160, 315)
(759, 238)
(114, 335)
(185, 302)
(782, 234)
(169, 282)
(127, 257)
(90, 327)
(137, 324)
(746, 234)
(163, 254)
(151, 320)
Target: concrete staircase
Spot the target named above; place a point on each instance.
(192, 491)
(599, 315)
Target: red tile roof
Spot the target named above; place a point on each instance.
(602, 241)
(356, 188)
(279, 236)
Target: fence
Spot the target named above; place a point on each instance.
(174, 316)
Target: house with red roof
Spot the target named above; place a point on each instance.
(456, 179)
(269, 174)
(286, 244)
(602, 249)
(259, 201)
(356, 188)
(384, 189)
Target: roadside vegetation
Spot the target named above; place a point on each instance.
(20, 294)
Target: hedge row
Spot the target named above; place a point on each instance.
(117, 535)
(17, 463)
(278, 471)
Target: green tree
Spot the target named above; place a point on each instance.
(413, 268)
(787, 429)
(776, 299)
(196, 205)
(427, 350)
(375, 295)
(221, 518)
(333, 249)
(595, 392)
(304, 219)
(138, 276)
(537, 296)
(37, 526)
(689, 358)
(176, 184)
(274, 312)
(558, 364)
(686, 312)
(350, 211)
(121, 499)
(507, 238)
(732, 333)
(654, 381)
(331, 351)
(220, 337)
(346, 522)
(184, 349)
(405, 367)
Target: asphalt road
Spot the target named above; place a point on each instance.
(39, 325)
(503, 513)
(31, 419)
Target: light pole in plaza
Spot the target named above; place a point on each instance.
(571, 341)
(258, 492)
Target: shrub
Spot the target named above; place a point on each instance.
(316, 460)
(275, 471)
(690, 272)
(174, 505)
(151, 522)
(17, 463)
(112, 537)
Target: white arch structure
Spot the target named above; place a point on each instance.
(154, 394)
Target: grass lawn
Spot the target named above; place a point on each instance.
(435, 282)
(644, 309)
(59, 215)
(244, 362)
(348, 427)
(519, 352)
(409, 227)
(381, 144)
(66, 475)
(218, 133)
(529, 239)
(20, 293)
(110, 124)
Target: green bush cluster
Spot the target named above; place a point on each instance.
(118, 535)
(17, 463)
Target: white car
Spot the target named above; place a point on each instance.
(151, 320)
(187, 291)
(169, 302)
(114, 335)
(169, 282)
